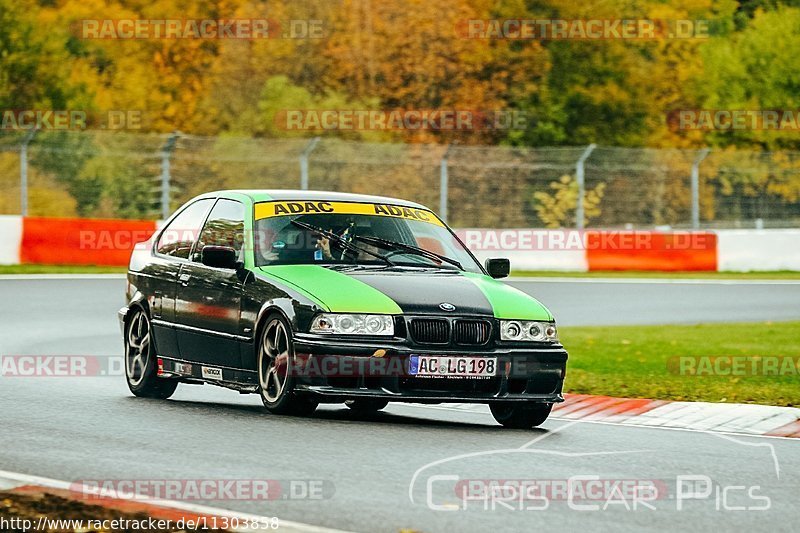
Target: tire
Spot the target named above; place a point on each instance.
(140, 360)
(520, 416)
(366, 405)
(275, 382)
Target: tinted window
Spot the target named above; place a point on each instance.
(280, 242)
(179, 236)
(224, 227)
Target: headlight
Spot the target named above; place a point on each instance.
(523, 330)
(353, 324)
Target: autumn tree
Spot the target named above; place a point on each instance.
(556, 208)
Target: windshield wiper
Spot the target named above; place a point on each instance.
(344, 243)
(409, 248)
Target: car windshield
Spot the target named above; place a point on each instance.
(291, 233)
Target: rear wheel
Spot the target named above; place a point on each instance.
(366, 405)
(140, 360)
(276, 384)
(522, 415)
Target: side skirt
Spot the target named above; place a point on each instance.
(243, 381)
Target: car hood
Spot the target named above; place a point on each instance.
(409, 291)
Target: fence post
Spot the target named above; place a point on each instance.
(23, 172)
(166, 154)
(443, 184)
(304, 162)
(696, 188)
(579, 177)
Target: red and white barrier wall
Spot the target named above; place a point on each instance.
(70, 241)
(773, 249)
(10, 239)
(597, 250)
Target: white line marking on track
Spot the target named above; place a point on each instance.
(285, 525)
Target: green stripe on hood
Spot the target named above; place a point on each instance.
(336, 292)
(508, 302)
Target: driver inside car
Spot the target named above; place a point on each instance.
(323, 245)
(298, 245)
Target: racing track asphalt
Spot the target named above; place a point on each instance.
(92, 428)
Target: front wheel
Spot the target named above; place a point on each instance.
(275, 382)
(520, 415)
(140, 360)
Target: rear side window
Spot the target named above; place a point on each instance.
(224, 227)
(178, 237)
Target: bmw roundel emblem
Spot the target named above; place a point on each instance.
(444, 306)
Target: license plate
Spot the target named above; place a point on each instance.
(449, 366)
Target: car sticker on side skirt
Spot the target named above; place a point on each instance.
(212, 373)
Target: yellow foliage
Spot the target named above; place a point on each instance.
(51, 202)
(45, 197)
(557, 208)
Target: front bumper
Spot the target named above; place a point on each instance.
(344, 369)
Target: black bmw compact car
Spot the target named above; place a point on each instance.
(307, 297)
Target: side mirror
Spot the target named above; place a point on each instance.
(498, 267)
(218, 256)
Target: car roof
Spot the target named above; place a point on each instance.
(269, 195)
